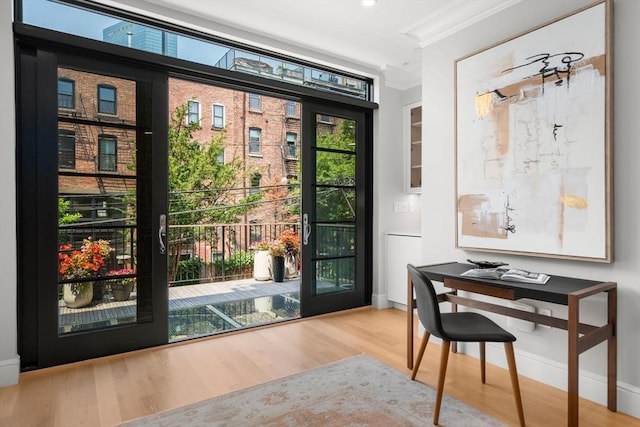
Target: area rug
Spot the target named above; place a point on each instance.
(358, 391)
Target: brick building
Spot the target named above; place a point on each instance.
(96, 142)
(262, 131)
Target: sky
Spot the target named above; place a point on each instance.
(60, 17)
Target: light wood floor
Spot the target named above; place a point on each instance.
(106, 391)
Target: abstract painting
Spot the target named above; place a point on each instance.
(533, 141)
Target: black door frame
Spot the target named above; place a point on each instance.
(312, 303)
(40, 343)
(31, 198)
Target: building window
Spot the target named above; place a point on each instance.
(193, 112)
(66, 149)
(291, 109)
(255, 183)
(291, 145)
(255, 102)
(220, 157)
(66, 93)
(106, 99)
(218, 116)
(254, 140)
(107, 153)
(322, 118)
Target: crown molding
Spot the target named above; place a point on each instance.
(453, 17)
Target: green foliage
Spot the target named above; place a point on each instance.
(64, 216)
(292, 206)
(337, 169)
(188, 272)
(238, 263)
(201, 187)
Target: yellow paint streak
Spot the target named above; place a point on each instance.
(483, 104)
(575, 202)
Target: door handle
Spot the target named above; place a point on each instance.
(162, 233)
(306, 229)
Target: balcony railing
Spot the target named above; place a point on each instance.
(217, 252)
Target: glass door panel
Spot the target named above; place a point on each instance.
(233, 193)
(333, 277)
(99, 139)
(97, 200)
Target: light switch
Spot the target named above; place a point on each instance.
(400, 206)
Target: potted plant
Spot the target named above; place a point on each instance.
(277, 250)
(291, 242)
(121, 288)
(81, 264)
(261, 261)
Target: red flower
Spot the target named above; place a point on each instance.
(291, 242)
(84, 262)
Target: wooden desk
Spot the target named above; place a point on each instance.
(559, 290)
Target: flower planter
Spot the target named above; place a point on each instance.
(98, 291)
(277, 268)
(291, 266)
(261, 261)
(77, 295)
(121, 291)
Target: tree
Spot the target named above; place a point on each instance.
(201, 188)
(64, 216)
(337, 170)
(281, 199)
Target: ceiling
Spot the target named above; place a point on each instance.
(387, 36)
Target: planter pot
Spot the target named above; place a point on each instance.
(261, 261)
(77, 295)
(277, 268)
(291, 266)
(121, 292)
(98, 291)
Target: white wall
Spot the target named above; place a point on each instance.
(542, 354)
(9, 361)
(389, 167)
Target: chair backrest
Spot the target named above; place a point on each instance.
(427, 301)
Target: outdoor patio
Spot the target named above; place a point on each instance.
(211, 307)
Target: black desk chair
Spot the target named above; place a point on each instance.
(458, 327)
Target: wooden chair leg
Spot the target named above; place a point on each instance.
(513, 372)
(444, 359)
(423, 346)
(483, 375)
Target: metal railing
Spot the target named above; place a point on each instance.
(217, 252)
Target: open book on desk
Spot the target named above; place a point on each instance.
(509, 274)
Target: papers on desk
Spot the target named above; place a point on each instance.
(512, 275)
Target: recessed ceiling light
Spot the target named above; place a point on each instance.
(368, 3)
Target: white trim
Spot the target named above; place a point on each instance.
(187, 117)
(213, 115)
(550, 372)
(380, 301)
(9, 371)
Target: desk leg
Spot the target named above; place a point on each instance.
(454, 309)
(409, 322)
(612, 350)
(573, 357)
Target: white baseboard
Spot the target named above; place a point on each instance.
(591, 386)
(9, 371)
(380, 301)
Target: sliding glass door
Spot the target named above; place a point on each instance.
(95, 270)
(335, 212)
(105, 265)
